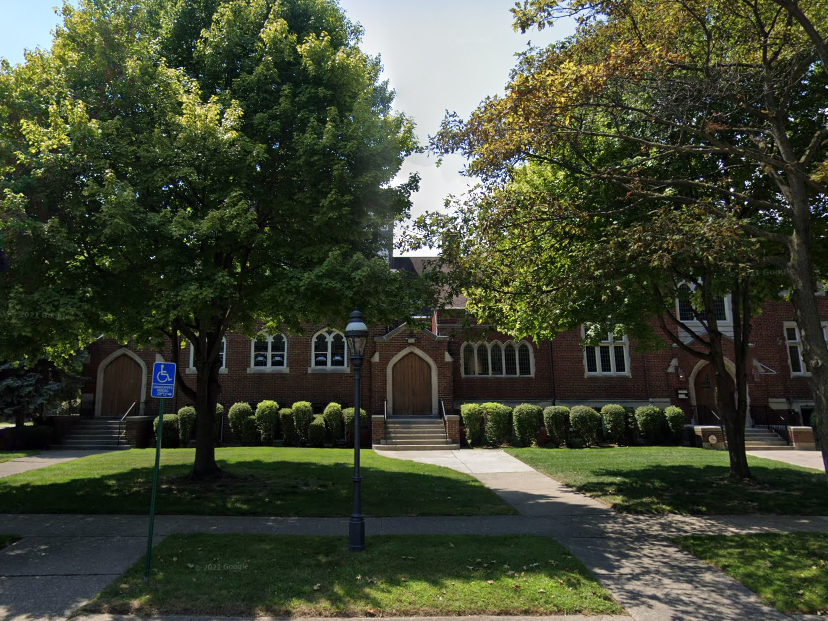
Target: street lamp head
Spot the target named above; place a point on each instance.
(357, 335)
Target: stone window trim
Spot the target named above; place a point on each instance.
(191, 370)
(489, 360)
(793, 345)
(271, 356)
(685, 311)
(329, 352)
(604, 360)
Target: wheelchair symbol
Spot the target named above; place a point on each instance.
(163, 377)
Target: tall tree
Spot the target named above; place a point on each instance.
(176, 169)
(732, 89)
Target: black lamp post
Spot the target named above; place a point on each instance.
(357, 336)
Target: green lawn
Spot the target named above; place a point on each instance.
(261, 481)
(8, 456)
(7, 540)
(247, 575)
(789, 571)
(681, 480)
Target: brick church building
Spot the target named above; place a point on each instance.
(433, 371)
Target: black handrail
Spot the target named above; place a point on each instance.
(776, 421)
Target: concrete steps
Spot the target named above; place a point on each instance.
(416, 434)
(94, 434)
(759, 438)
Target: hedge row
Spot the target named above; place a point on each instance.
(495, 424)
(179, 429)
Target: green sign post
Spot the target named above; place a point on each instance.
(163, 387)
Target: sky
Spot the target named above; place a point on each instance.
(438, 55)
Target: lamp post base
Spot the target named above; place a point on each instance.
(356, 539)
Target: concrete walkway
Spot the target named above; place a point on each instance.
(65, 560)
(807, 459)
(44, 459)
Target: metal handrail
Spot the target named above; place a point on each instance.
(120, 422)
(385, 411)
(442, 415)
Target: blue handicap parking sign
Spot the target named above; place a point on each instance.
(163, 380)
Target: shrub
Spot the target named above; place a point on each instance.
(632, 425)
(267, 420)
(218, 422)
(650, 420)
(286, 423)
(528, 419)
(334, 423)
(348, 418)
(238, 413)
(615, 423)
(586, 422)
(302, 418)
(250, 435)
(498, 423)
(169, 437)
(186, 424)
(472, 415)
(675, 421)
(316, 431)
(556, 421)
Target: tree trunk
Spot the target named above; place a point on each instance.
(806, 313)
(207, 390)
(20, 418)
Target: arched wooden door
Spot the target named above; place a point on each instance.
(705, 389)
(411, 391)
(121, 386)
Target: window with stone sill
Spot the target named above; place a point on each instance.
(793, 340)
(496, 359)
(329, 350)
(222, 355)
(610, 358)
(269, 352)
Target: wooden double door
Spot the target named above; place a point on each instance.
(411, 387)
(121, 386)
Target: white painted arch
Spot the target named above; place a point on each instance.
(102, 367)
(389, 383)
(731, 368)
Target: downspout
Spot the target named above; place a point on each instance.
(552, 375)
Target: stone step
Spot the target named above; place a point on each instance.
(767, 447)
(413, 442)
(416, 432)
(91, 447)
(417, 447)
(99, 441)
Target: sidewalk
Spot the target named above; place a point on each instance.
(64, 560)
(806, 459)
(44, 459)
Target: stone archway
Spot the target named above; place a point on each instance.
(696, 381)
(122, 380)
(411, 384)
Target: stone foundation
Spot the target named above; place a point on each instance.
(377, 430)
(802, 438)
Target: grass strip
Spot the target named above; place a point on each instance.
(289, 482)
(7, 540)
(681, 480)
(283, 575)
(787, 570)
(9, 455)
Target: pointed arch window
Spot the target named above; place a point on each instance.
(497, 359)
(222, 357)
(329, 350)
(269, 352)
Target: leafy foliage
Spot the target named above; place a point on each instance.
(186, 424)
(237, 415)
(472, 415)
(287, 426)
(348, 417)
(675, 421)
(615, 423)
(316, 431)
(30, 389)
(250, 434)
(267, 420)
(556, 421)
(334, 422)
(650, 421)
(527, 423)
(169, 435)
(302, 418)
(498, 423)
(586, 422)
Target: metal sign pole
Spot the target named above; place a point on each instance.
(154, 491)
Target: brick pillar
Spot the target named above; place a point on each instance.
(802, 438)
(378, 430)
(453, 428)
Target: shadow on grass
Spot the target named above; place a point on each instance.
(787, 570)
(274, 487)
(246, 574)
(708, 489)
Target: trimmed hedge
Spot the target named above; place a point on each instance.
(186, 424)
(267, 420)
(250, 435)
(498, 423)
(286, 423)
(238, 413)
(675, 421)
(527, 419)
(316, 431)
(348, 418)
(302, 418)
(334, 422)
(586, 422)
(169, 437)
(615, 423)
(556, 421)
(472, 415)
(650, 421)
